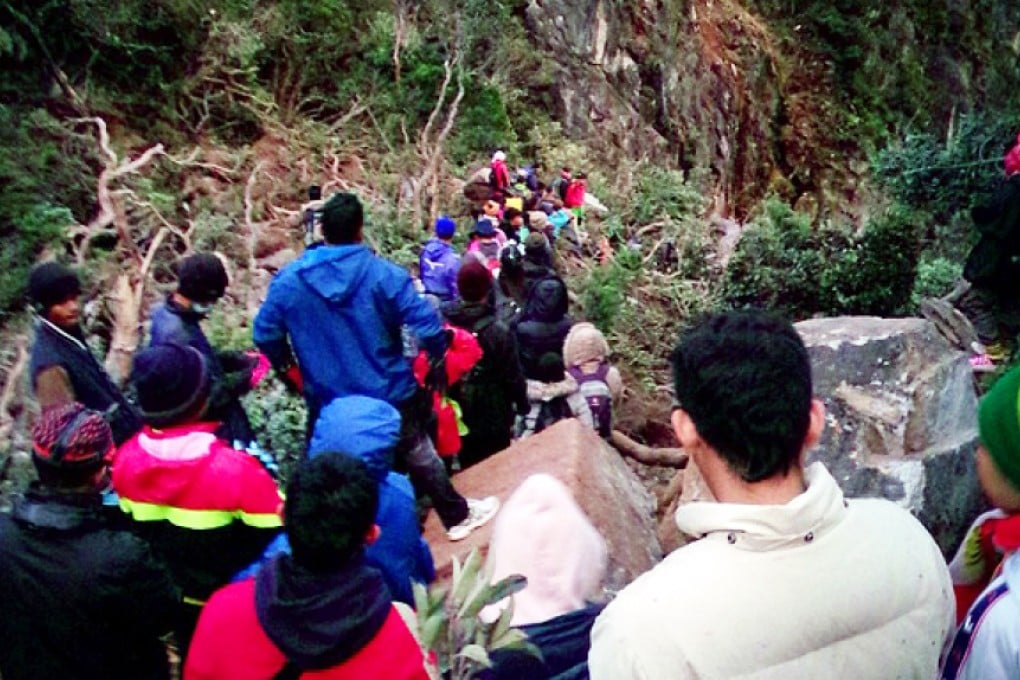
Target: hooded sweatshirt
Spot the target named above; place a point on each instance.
(342, 309)
(336, 625)
(544, 324)
(368, 429)
(439, 265)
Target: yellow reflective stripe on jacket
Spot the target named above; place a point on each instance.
(197, 519)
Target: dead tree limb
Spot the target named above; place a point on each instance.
(126, 302)
(10, 390)
(249, 214)
(674, 458)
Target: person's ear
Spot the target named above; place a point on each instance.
(816, 425)
(684, 429)
(374, 532)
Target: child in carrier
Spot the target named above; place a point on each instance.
(586, 355)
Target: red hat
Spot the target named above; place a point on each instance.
(72, 437)
(1012, 159)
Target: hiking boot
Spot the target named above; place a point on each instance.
(479, 512)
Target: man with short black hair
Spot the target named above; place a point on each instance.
(82, 597)
(62, 367)
(343, 313)
(788, 579)
(320, 608)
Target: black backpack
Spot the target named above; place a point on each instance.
(552, 411)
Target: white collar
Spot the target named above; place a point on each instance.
(759, 527)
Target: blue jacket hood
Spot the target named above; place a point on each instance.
(365, 428)
(436, 249)
(334, 272)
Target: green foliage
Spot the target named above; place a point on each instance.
(944, 177)
(782, 263)
(935, 278)
(44, 175)
(662, 194)
(278, 420)
(449, 622)
(605, 288)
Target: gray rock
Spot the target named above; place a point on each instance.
(901, 417)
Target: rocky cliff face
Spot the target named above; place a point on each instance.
(695, 84)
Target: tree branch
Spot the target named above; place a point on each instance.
(675, 458)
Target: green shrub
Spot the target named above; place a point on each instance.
(935, 278)
(782, 263)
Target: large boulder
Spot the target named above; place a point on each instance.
(605, 488)
(901, 417)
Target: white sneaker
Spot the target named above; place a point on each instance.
(479, 512)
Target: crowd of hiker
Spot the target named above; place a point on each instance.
(156, 516)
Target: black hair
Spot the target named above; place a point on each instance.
(744, 378)
(55, 478)
(342, 219)
(510, 213)
(331, 504)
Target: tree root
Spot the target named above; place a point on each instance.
(674, 458)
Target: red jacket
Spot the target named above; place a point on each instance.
(500, 175)
(206, 508)
(575, 194)
(230, 644)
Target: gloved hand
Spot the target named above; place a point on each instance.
(435, 379)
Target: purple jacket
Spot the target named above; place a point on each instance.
(439, 265)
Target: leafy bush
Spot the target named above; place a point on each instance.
(605, 288)
(278, 420)
(782, 263)
(935, 278)
(449, 624)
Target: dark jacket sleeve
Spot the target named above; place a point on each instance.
(142, 593)
(504, 342)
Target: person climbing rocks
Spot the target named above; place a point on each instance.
(494, 390)
(499, 173)
(321, 610)
(485, 245)
(341, 300)
(62, 367)
(83, 597)
(558, 187)
(992, 303)
(439, 262)
(202, 281)
(788, 578)
(207, 509)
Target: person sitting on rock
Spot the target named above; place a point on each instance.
(201, 281)
(320, 611)
(494, 389)
(544, 536)
(586, 355)
(207, 509)
(439, 262)
(789, 578)
(62, 367)
(368, 429)
(82, 596)
(986, 570)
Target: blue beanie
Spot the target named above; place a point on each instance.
(362, 427)
(445, 227)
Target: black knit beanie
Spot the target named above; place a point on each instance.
(171, 382)
(52, 283)
(202, 278)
